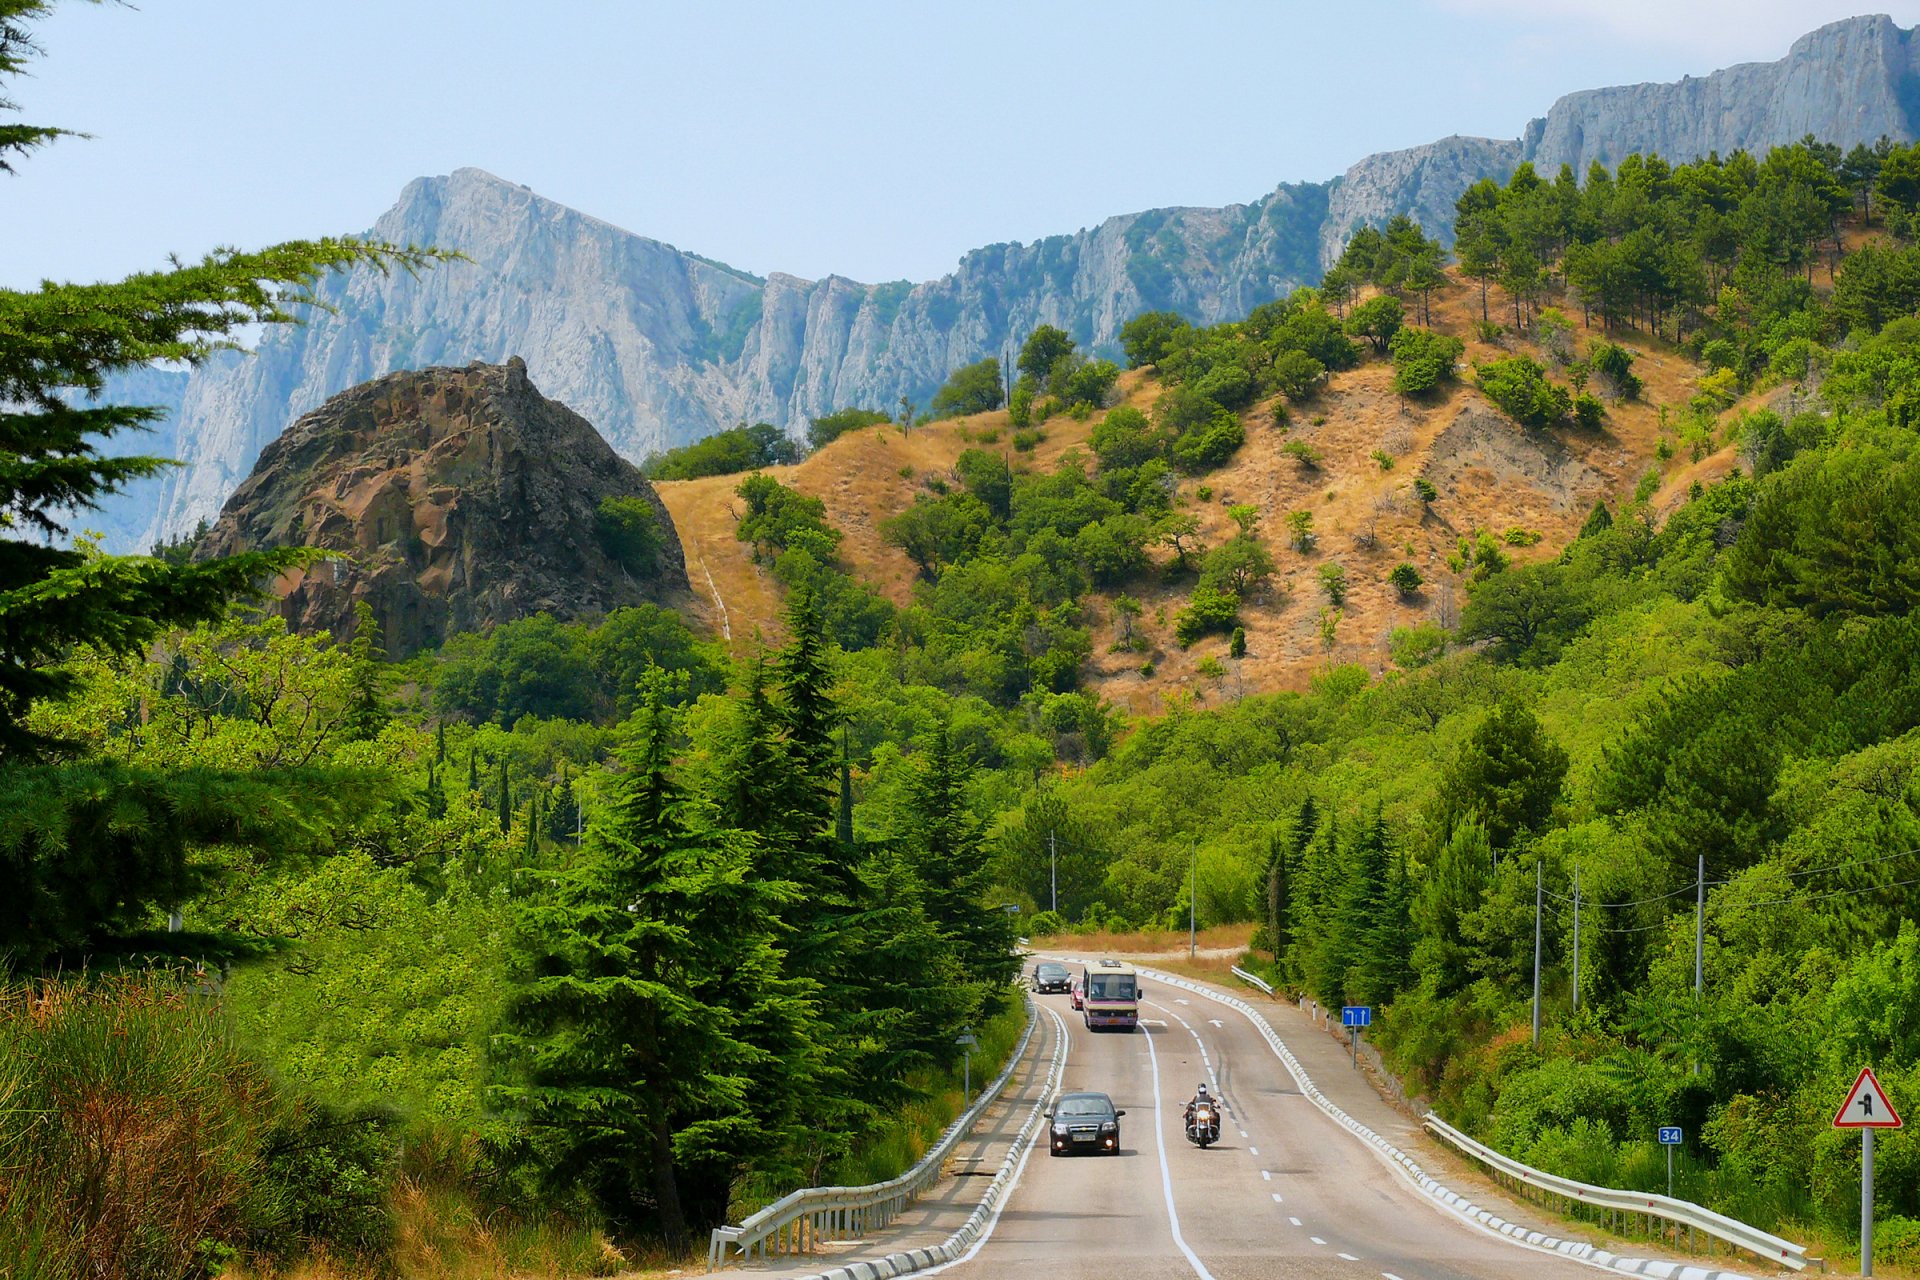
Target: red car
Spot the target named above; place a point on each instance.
(1076, 995)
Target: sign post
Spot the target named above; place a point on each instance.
(1670, 1137)
(966, 1040)
(1353, 1017)
(1866, 1109)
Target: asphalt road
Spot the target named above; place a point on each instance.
(1285, 1193)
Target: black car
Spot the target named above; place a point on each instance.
(1052, 977)
(1084, 1122)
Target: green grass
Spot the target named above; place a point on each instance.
(897, 1145)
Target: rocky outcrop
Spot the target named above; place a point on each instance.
(1850, 81)
(658, 346)
(456, 498)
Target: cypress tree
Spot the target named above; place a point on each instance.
(473, 770)
(436, 796)
(440, 742)
(506, 799)
(367, 712)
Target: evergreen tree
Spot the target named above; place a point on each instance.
(843, 824)
(506, 799)
(1362, 905)
(440, 742)
(948, 856)
(654, 1048)
(473, 770)
(436, 796)
(367, 712)
(1454, 888)
(1284, 870)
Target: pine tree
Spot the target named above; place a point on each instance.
(436, 796)
(1284, 865)
(1454, 888)
(653, 1046)
(60, 339)
(1369, 868)
(946, 852)
(440, 742)
(367, 712)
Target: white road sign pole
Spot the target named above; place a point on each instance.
(1866, 1202)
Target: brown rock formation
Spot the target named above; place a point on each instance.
(458, 498)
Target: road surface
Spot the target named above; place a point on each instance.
(1286, 1193)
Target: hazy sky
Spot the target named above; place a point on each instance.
(876, 140)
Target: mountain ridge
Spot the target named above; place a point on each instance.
(657, 346)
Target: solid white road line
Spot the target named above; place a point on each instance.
(1166, 1173)
(1045, 1135)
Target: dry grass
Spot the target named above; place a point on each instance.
(1366, 518)
(1220, 940)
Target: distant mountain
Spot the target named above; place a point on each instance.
(657, 346)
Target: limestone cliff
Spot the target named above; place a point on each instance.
(456, 498)
(658, 346)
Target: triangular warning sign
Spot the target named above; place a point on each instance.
(1866, 1106)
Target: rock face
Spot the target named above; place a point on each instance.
(457, 498)
(1848, 82)
(659, 347)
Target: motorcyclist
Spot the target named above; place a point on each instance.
(1202, 1098)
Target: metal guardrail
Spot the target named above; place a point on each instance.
(799, 1219)
(1682, 1212)
(1253, 980)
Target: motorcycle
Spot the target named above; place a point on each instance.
(1203, 1125)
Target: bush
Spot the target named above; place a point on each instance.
(1519, 385)
(1045, 924)
(1423, 359)
(1333, 581)
(822, 432)
(1406, 579)
(1210, 446)
(1588, 412)
(1424, 490)
(1208, 612)
(1297, 374)
(972, 388)
(1413, 647)
(629, 531)
(1303, 453)
(1614, 364)
(1024, 441)
(1020, 407)
(741, 448)
(1237, 643)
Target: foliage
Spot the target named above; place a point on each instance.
(1209, 610)
(740, 448)
(1423, 360)
(823, 431)
(1519, 385)
(629, 530)
(973, 388)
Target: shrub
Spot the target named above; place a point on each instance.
(741, 448)
(1237, 643)
(1384, 459)
(972, 388)
(1297, 374)
(1024, 441)
(629, 531)
(1207, 447)
(1333, 581)
(1210, 667)
(1424, 490)
(1147, 669)
(1045, 924)
(1204, 493)
(1519, 537)
(822, 432)
(1303, 453)
(1423, 359)
(1413, 647)
(1406, 580)
(1614, 364)
(1519, 385)
(1588, 412)
(1020, 405)
(1209, 611)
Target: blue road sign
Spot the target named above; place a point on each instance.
(1357, 1015)
(1669, 1135)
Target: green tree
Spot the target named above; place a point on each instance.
(1333, 581)
(1149, 336)
(947, 853)
(1406, 580)
(823, 431)
(1044, 348)
(653, 1045)
(1236, 566)
(1377, 320)
(1507, 777)
(972, 388)
(1297, 374)
(367, 712)
(630, 533)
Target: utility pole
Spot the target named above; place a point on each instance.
(1539, 890)
(1053, 871)
(1699, 937)
(1193, 897)
(1576, 938)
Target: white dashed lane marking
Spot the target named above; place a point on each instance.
(1276, 1197)
(1349, 1257)
(1294, 1221)
(1252, 1151)
(1316, 1239)
(1267, 1174)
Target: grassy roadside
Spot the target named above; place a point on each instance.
(897, 1145)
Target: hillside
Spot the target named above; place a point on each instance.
(658, 346)
(1491, 474)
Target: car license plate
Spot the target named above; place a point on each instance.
(1083, 1137)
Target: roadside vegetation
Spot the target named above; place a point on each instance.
(553, 949)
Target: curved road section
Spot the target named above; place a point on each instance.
(1287, 1192)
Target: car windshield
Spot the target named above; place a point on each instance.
(1084, 1107)
(1052, 971)
(1111, 986)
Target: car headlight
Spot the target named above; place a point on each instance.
(1110, 1126)
(1060, 1130)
